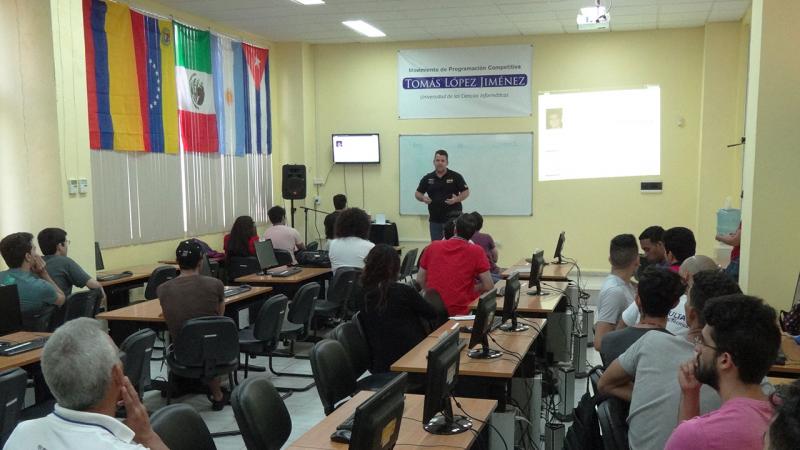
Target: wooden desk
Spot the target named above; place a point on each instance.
(777, 381)
(531, 305)
(150, 310)
(411, 435)
(551, 272)
(792, 367)
(307, 273)
(139, 274)
(503, 367)
(25, 358)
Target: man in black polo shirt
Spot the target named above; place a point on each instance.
(443, 191)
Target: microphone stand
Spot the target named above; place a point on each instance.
(305, 211)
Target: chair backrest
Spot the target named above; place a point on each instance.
(301, 310)
(284, 256)
(239, 266)
(355, 344)
(207, 342)
(594, 378)
(612, 416)
(334, 379)
(12, 398)
(81, 304)
(407, 266)
(159, 275)
(138, 349)
(267, 327)
(182, 428)
(261, 414)
(312, 246)
(442, 316)
(39, 320)
(342, 287)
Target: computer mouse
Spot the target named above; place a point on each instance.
(127, 272)
(341, 436)
(465, 330)
(245, 286)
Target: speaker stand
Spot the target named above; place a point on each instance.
(293, 210)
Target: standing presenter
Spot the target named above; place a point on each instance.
(443, 191)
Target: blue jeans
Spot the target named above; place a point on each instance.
(437, 230)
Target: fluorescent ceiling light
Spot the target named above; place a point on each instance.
(364, 28)
(310, 2)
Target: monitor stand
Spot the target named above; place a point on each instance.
(446, 423)
(514, 326)
(484, 353)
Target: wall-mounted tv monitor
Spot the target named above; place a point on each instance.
(356, 148)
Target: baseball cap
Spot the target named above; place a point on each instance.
(188, 253)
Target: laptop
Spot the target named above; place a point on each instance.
(10, 312)
(268, 262)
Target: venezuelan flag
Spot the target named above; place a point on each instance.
(130, 68)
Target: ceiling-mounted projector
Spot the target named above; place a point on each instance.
(593, 17)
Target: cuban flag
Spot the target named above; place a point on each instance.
(257, 118)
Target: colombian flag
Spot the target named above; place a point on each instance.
(130, 75)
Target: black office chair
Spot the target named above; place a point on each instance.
(263, 336)
(284, 257)
(182, 428)
(297, 323)
(442, 316)
(160, 275)
(239, 266)
(407, 266)
(332, 373)
(39, 320)
(12, 398)
(138, 349)
(339, 291)
(352, 338)
(206, 347)
(612, 414)
(261, 414)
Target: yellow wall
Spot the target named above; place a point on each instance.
(356, 92)
(771, 219)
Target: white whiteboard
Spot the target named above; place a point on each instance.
(498, 169)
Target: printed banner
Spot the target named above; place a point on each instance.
(464, 82)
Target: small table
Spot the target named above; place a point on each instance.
(411, 435)
(550, 272)
(530, 305)
(289, 285)
(118, 290)
(24, 358)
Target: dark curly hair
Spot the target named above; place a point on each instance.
(381, 268)
(243, 229)
(747, 329)
(352, 222)
(708, 284)
(659, 291)
(784, 432)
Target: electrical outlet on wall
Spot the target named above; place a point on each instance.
(72, 186)
(316, 200)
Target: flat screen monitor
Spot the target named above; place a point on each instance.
(559, 248)
(442, 375)
(510, 304)
(10, 312)
(535, 279)
(266, 255)
(376, 422)
(356, 148)
(484, 318)
(98, 257)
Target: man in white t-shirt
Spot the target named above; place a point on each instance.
(351, 245)
(282, 236)
(676, 320)
(617, 291)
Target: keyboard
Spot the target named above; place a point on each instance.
(115, 276)
(285, 272)
(235, 290)
(23, 347)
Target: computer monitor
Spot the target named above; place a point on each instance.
(376, 422)
(510, 303)
(559, 248)
(535, 278)
(10, 312)
(266, 255)
(484, 318)
(442, 374)
(98, 257)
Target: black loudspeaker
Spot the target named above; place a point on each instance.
(294, 181)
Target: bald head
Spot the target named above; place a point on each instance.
(696, 263)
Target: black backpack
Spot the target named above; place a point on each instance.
(584, 433)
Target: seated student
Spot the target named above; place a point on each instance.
(617, 291)
(351, 245)
(451, 266)
(340, 203)
(784, 432)
(27, 270)
(676, 320)
(241, 241)
(82, 368)
(282, 236)
(191, 295)
(64, 271)
(652, 242)
(392, 312)
(449, 228)
(658, 292)
(486, 242)
(653, 361)
(679, 244)
(734, 353)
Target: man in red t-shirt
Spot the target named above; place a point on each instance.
(452, 266)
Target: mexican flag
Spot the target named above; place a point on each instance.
(196, 113)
